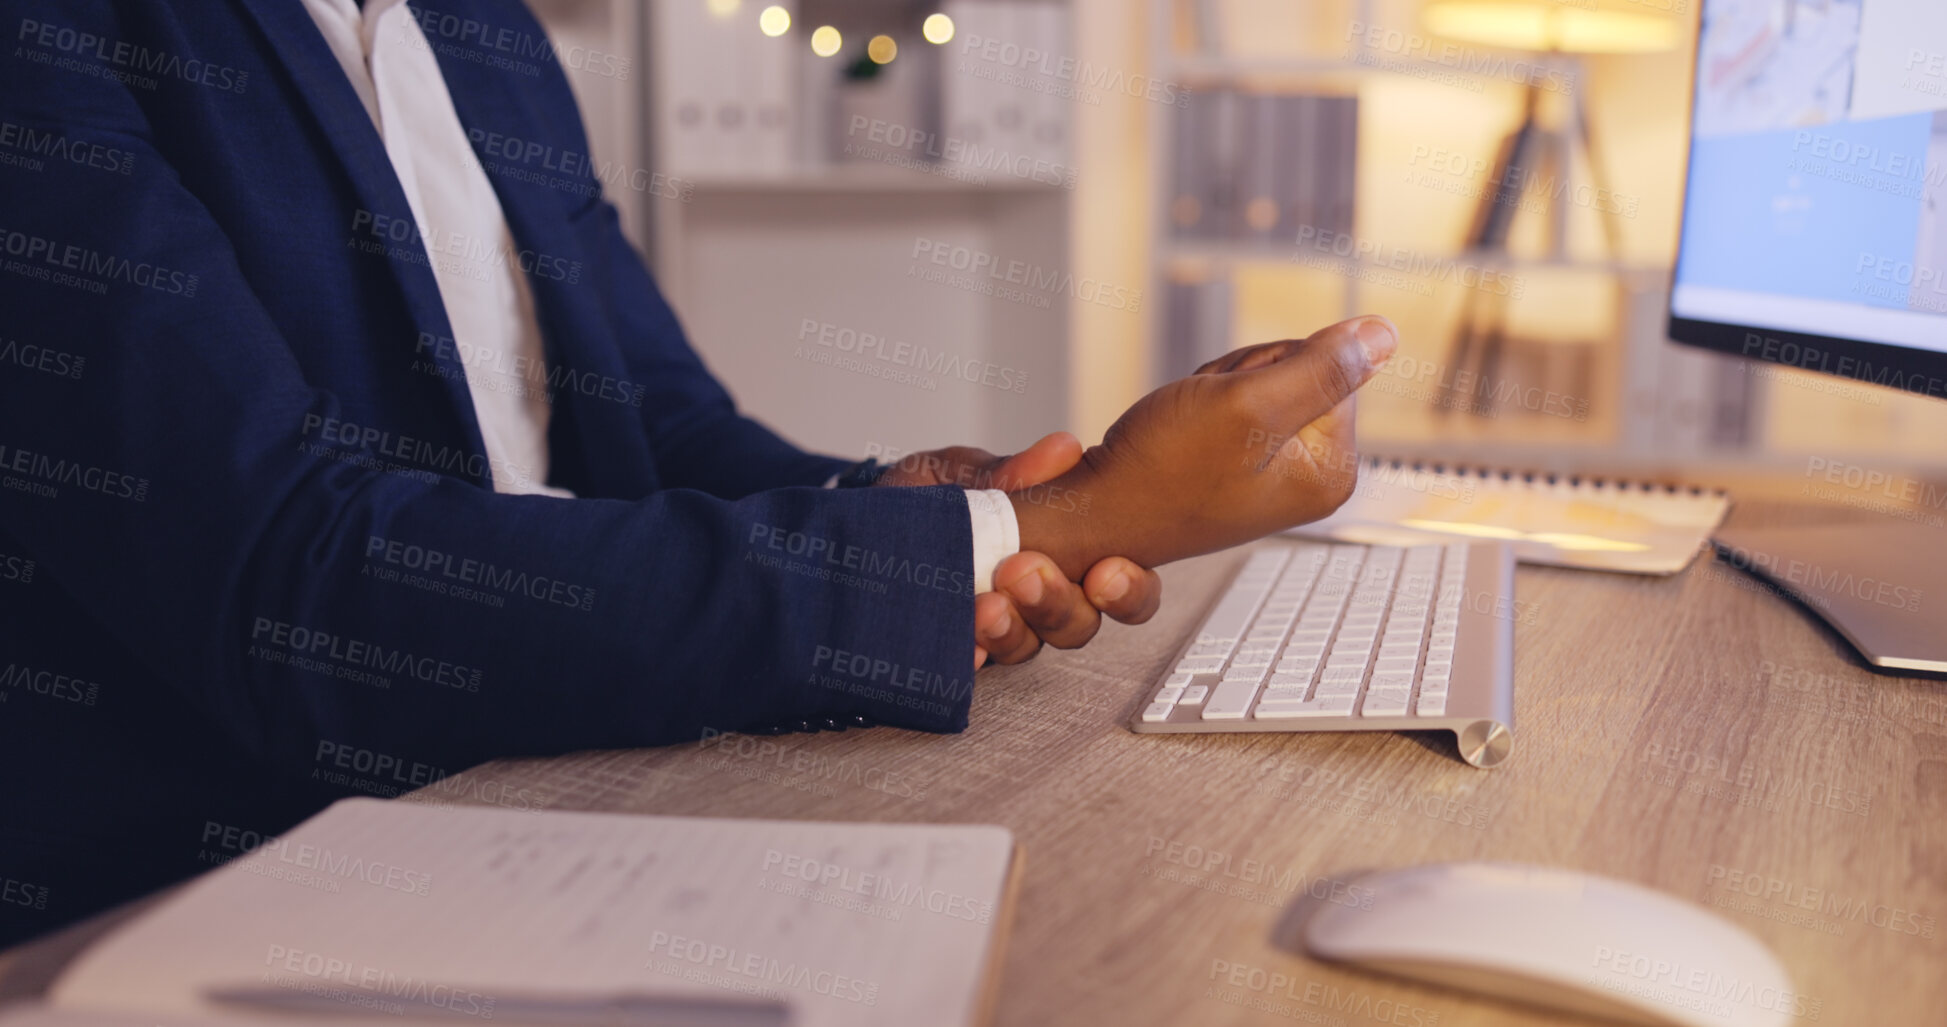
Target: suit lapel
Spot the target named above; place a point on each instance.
(329, 95)
(578, 333)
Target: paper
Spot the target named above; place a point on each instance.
(396, 908)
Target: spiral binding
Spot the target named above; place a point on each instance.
(1512, 477)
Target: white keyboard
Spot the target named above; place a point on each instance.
(1316, 636)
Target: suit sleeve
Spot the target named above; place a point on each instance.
(172, 495)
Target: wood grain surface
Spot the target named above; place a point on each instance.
(1698, 734)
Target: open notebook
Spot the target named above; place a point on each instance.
(1600, 524)
(410, 912)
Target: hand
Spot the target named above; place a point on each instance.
(1033, 602)
(1253, 443)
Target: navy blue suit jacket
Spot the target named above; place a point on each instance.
(251, 558)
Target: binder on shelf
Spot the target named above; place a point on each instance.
(1263, 167)
(1189, 198)
(1256, 212)
(1009, 118)
(1339, 152)
(1054, 98)
(1297, 126)
(969, 90)
(725, 103)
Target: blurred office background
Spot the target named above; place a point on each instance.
(892, 225)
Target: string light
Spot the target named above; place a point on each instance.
(825, 41)
(882, 49)
(775, 21)
(937, 29)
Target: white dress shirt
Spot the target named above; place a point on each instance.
(475, 261)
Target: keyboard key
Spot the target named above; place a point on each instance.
(1395, 682)
(1294, 710)
(1395, 666)
(1234, 610)
(1200, 665)
(1384, 703)
(1169, 695)
(1157, 711)
(1431, 705)
(1194, 695)
(1275, 693)
(1177, 681)
(1231, 700)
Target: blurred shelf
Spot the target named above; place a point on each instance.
(870, 179)
(1177, 252)
(1220, 68)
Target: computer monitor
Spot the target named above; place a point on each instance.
(1815, 218)
(1815, 235)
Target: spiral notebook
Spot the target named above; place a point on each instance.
(417, 913)
(1603, 524)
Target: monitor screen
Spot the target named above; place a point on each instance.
(1815, 216)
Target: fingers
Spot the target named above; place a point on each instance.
(1306, 381)
(954, 465)
(1250, 357)
(999, 629)
(1329, 447)
(1046, 460)
(1123, 590)
(974, 468)
(1053, 607)
(1035, 604)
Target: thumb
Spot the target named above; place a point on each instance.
(1311, 378)
(1048, 459)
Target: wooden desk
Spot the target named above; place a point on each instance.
(1641, 703)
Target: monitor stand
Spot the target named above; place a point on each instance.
(1882, 585)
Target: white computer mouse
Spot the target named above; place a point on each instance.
(1571, 941)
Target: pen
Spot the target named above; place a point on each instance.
(445, 1002)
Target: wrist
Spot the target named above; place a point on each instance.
(1062, 535)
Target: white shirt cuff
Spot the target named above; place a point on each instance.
(996, 534)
